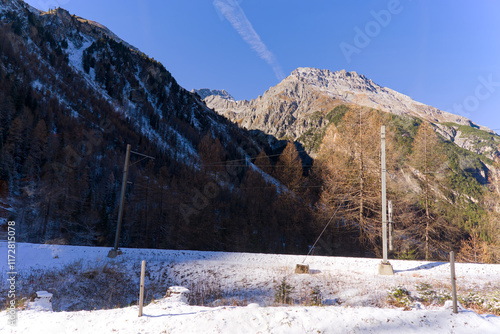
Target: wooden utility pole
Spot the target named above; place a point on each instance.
(141, 289)
(384, 196)
(114, 252)
(427, 216)
(385, 268)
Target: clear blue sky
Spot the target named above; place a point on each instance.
(442, 53)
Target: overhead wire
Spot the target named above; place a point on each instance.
(328, 223)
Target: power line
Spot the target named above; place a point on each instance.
(246, 159)
(327, 224)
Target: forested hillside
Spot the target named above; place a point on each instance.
(444, 197)
(72, 96)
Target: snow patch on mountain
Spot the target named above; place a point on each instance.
(205, 92)
(75, 54)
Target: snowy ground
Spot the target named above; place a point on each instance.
(237, 291)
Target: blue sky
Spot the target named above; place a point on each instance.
(441, 53)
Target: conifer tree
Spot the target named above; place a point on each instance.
(288, 169)
(212, 153)
(350, 164)
(37, 147)
(262, 161)
(429, 161)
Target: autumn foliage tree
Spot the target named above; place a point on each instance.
(475, 250)
(350, 162)
(263, 162)
(429, 163)
(288, 169)
(212, 153)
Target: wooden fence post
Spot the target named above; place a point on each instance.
(453, 282)
(141, 293)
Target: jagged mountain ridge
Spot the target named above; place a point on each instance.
(89, 27)
(355, 88)
(206, 92)
(300, 102)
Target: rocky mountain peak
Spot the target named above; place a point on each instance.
(351, 87)
(61, 12)
(313, 74)
(206, 92)
(298, 103)
(333, 82)
(62, 22)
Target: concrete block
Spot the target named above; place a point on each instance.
(302, 269)
(385, 269)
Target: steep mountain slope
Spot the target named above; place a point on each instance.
(301, 101)
(72, 95)
(89, 58)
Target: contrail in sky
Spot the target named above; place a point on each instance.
(235, 15)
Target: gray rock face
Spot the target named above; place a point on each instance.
(61, 21)
(485, 143)
(283, 111)
(299, 102)
(206, 92)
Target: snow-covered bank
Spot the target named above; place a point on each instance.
(355, 297)
(164, 318)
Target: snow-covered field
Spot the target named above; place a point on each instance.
(237, 291)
